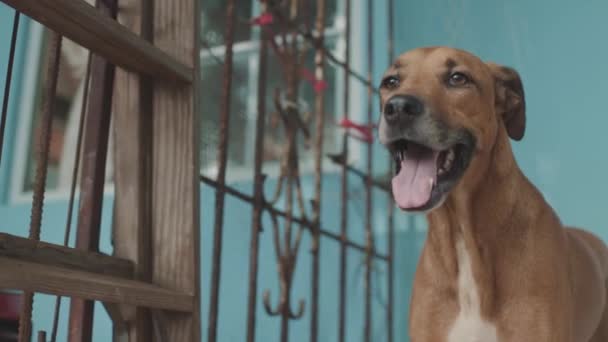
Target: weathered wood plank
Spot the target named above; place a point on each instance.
(43, 253)
(131, 234)
(28, 276)
(82, 23)
(175, 187)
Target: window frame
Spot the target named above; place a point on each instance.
(26, 107)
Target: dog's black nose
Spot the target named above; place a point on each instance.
(402, 107)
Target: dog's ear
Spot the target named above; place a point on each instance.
(510, 100)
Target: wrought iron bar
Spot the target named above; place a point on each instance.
(318, 153)
(391, 207)
(344, 186)
(222, 159)
(369, 236)
(291, 119)
(341, 161)
(75, 170)
(95, 148)
(278, 212)
(258, 187)
(42, 158)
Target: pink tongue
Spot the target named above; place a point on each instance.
(413, 184)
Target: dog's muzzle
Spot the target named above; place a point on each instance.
(402, 109)
(430, 157)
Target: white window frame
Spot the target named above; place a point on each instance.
(26, 108)
(30, 79)
(251, 47)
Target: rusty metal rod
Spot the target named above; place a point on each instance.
(222, 159)
(339, 160)
(391, 207)
(369, 236)
(95, 148)
(318, 153)
(274, 211)
(8, 80)
(287, 261)
(75, 170)
(42, 160)
(41, 336)
(258, 187)
(344, 187)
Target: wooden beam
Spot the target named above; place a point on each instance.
(131, 231)
(175, 167)
(81, 22)
(63, 281)
(43, 253)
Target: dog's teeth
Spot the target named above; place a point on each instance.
(449, 159)
(450, 155)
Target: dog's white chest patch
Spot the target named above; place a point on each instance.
(469, 326)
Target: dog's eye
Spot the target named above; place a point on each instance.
(458, 79)
(390, 82)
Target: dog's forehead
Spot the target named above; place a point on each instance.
(436, 58)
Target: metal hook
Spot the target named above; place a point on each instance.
(268, 306)
(300, 311)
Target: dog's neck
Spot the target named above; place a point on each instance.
(471, 219)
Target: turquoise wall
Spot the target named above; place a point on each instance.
(560, 50)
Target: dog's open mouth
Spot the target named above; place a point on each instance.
(423, 175)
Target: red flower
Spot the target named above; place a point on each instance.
(263, 19)
(365, 132)
(318, 85)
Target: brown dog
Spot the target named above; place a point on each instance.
(498, 265)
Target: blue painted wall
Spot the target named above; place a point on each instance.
(560, 50)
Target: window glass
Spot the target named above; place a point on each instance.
(66, 114)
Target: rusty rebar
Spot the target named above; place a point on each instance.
(258, 187)
(379, 184)
(318, 154)
(391, 206)
(42, 160)
(222, 160)
(369, 236)
(75, 170)
(8, 80)
(344, 187)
